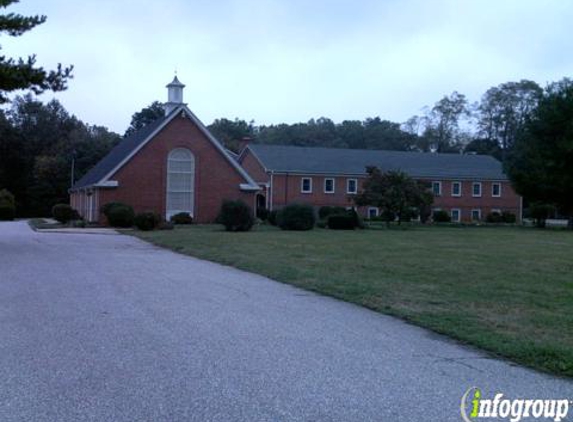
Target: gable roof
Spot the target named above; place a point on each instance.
(333, 161)
(129, 146)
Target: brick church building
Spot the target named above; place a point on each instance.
(176, 165)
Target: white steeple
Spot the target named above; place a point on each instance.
(174, 95)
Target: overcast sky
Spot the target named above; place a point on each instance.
(291, 60)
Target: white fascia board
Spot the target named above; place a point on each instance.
(248, 187)
(221, 149)
(107, 184)
(136, 150)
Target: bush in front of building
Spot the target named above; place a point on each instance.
(181, 218)
(508, 217)
(325, 211)
(7, 205)
(118, 214)
(441, 216)
(494, 217)
(341, 222)
(147, 221)
(64, 213)
(272, 217)
(296, 217)
(236, 216)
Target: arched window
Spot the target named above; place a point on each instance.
(180, 182)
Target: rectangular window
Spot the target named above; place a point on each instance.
(476, 189)
(351, 186)
(456, 188)
(476, 215)
(306, 185)
(496, 190)
(372, 212)
(437, 188)
(456, 215)
(328, 185)
(496, 211)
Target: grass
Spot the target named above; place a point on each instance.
(505, 290)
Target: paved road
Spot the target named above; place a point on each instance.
(109, 328)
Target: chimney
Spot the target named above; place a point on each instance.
(174, 95)
(244, 143)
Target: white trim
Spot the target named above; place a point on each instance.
(480, 190)
(496, 210)
(203, 129)
(302, 179)
(479, 214)
(107, 184)
(192, 173)
(333, 185)
(355, 186)
(458, 182)
(376, 211)
(439, 188)
(459, 211)
(492, 194)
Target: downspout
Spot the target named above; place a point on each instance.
(286, 189)
(270, 198)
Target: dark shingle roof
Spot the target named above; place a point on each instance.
(333, 161)
(118, 154)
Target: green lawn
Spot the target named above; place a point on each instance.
(506, 290)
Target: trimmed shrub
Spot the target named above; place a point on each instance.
(147, 221)
(325, 211)
(508, 217)
(494, 217)
(296, 217)
(120, 216)
(181, 218)
(236, 216)
(7, 212)
(341, 222)
(272, 217)
(7, 205)
(441, 216)
(64, 213)
(166, 225)
(106, 208)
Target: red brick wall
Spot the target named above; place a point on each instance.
(254, 167)
(508, 201)
(142, 180)
(287, 189)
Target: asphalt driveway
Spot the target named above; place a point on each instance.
(109, 328)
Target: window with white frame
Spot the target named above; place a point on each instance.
(456, 188)
(496, 211)
(329, 185)
(437, 188)
(476, 189)
(180, 182)
(306, 185)
(351, 186)
(476, 215)
(496, 190)
(372, 212)
(456, 215)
